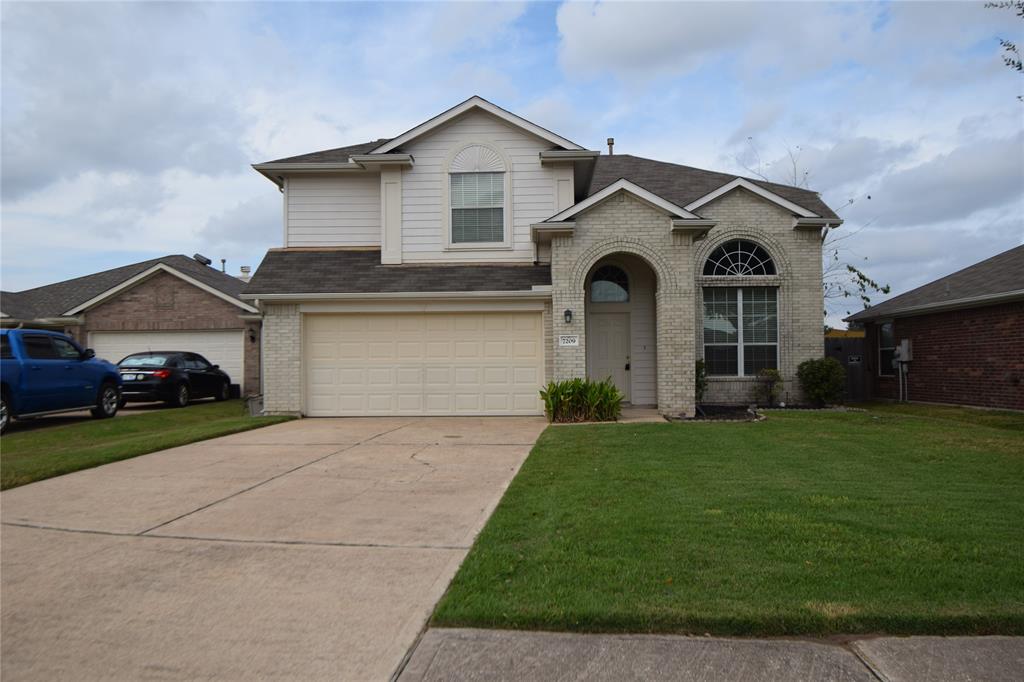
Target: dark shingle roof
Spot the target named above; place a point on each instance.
(999, 274)
(336, 155)
(683, 184)
(335, 272)
(54, 300)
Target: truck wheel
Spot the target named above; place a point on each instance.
(181, 398)
(224, 392)
(5, 414)
(106, 402)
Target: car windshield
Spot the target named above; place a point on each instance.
(145, 361)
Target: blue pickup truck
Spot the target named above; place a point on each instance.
(43, 372)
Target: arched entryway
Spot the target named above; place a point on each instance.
(621, 326)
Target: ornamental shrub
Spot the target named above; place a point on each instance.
(769, 386)
(582, 400)
(700, 381)
(822, 380)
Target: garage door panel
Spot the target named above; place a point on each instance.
(414, 363)
(221, 347)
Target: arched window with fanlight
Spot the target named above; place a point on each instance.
(610, 284)
(739, 258)
(478, 194)
(741, 324)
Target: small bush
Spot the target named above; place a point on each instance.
(769, 386)
(822, 380)
(700, 378)
(582, 400)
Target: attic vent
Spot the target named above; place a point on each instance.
(477, 159)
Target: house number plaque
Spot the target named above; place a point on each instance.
(568, 340)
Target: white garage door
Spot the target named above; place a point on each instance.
(423, 363)
(222, 348)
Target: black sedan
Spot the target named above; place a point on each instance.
(175, 377)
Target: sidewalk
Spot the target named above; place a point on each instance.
(460, 654)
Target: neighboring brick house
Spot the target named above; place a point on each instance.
(456, 268)
(966, 333)
(168, 303)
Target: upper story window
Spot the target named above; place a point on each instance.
(609, 285)
(739, 257)
(477, 196)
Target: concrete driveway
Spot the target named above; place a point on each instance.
(308, 550)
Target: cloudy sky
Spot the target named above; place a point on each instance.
(128, 129)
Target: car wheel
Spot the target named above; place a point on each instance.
(121, 403)
(224, 392)
(106, 402)
(5, 415)
(181, 397)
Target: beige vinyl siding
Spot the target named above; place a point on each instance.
(533, 189)
(333, 210)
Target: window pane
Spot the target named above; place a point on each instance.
(720, 360)
(39, 347)
(65, 349)
(739, 258)
(477, 225)
(478, 190)
(885, 336)
(720, 315)
(885, 358)
(5, 348)
(760, 315)
(756, 358)
(609, 285)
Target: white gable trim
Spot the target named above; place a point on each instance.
(145, 274)
(476, 102)
(756, 189)
(627, 186)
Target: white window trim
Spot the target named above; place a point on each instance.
(446, 203)
(890, 368)
(740, 364)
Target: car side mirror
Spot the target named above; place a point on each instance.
(215, 367)
(88, 354)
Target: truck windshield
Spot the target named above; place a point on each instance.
(144, 361)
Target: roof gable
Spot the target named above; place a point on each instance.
(54, 300)
(684, 185)
(474, 102)
(623, 185)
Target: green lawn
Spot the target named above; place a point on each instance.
(35, 454)
(894, 520)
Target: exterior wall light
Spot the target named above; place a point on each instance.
(568, 316)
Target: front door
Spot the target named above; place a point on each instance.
(608, 340)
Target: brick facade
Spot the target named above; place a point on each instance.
(797, 256)
(164, 302)
(973, 356)
(624, 224)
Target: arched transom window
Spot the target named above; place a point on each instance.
(609, 285)
(739, 257)
(477, 181)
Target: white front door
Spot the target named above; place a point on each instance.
(608, 341)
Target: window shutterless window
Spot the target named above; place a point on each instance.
(478, 207)
(39, 347)
(741, 330)
(886, 349)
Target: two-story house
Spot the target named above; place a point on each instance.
(458, 267)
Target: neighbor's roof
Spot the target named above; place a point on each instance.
(683, 185)
(53, 300)
(991, 280)
(336, 155)
(285, 271)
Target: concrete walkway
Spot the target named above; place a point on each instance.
(494, 655)
(314, 549)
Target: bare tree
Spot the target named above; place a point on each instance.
(1011, 56)
(842, 276)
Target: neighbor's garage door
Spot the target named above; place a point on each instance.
(423, 363)
(222, 348)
